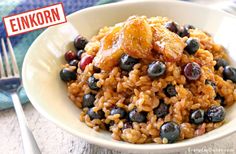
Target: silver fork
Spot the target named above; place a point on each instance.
(10, 83)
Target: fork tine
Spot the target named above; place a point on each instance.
(13, 58)
(7, 65)
(2, 71)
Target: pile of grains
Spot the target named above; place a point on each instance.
(150, 80)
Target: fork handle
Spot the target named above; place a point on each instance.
(29, 142)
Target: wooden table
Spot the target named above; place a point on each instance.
(54, 140)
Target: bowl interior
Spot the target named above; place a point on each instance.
(44, 59)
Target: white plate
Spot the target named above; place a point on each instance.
(44, 58)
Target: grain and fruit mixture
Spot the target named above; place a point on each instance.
(150, 80)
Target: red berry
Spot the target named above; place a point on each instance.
(87, 59)
(70, 55)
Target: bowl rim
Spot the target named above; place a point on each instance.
(120, 145)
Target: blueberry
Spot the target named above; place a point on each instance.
(127, 62)
(220, 63)
(172, 26)
(162, 110)
(69, 56)
(80, 42)
(120, 111)
(136, 116)
(96, 115)
(79, 54)
(171, 131)
(92, 83)
(183, 32)
(67, 75)
(192, 71)
(74, 62)
(189, 27)
(211, 83)
(197, 117)
(192, 46)
(216, 113)
(229, 73)
(170, 90)
(156, 69)
(88, 100)
(127, 125)
(221, 99)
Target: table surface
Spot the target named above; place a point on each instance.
(54, 140)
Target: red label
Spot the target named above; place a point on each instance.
(34, 19)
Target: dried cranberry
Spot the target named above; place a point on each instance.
(87, 59)
(70, 55)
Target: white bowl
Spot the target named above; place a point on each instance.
(43, 60)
